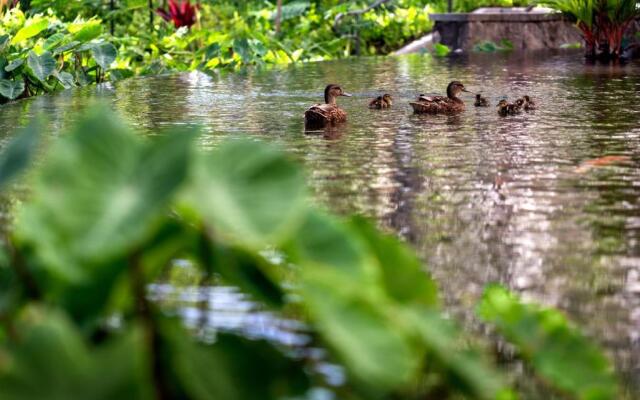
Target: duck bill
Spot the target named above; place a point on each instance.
(346, 94)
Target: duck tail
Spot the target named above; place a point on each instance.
(315, 117)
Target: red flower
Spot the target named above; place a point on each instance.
(182, 13)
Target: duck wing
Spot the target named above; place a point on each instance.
(322, 114)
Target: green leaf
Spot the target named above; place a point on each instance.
(66, 79)
(224, 369)
(11, 89)
(4, 41)
(558, 352)
(249, 192)
(403, 275)
(104, 54)
(85, 31)
(37, 25)
(42, 66)
(100, 194)
(54, 41)
(441, 50)
(17, 155)
(52, 361)
(120, 74)
(64, 48)
(366, 334)
(14, 64)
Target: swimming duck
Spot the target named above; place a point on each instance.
(505, 108)
(384, 101)
(481, 101)
(329, 113)
(440, 104)
(529, 105)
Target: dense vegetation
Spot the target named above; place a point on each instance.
(109, 215)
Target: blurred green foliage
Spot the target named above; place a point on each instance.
(110, 214)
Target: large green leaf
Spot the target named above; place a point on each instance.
(54, 41)
(558, 352)
(85, 31)
(234, 368)
(17, 156)
(11, 89)
(66, 79)
(362, 329)
(100, 194)
(37, 25)
(249, 192)
(53, 362)
(42, 65)
(104, 54)
(403, 274)
(15, 64)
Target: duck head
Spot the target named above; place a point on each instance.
(502, 104)
(455, 88)
(332, 91)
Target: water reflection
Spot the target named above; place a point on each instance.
(482, 198)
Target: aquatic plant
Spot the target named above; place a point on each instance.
(603, 23)
(181, 13)
(109, 216)
(40, 54)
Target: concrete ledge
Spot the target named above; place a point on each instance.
(498, 17)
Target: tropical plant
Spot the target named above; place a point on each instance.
(603, 23)
(41, 54)
(110, 215)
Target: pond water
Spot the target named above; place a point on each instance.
(517, 200)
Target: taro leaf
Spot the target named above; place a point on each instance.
(241, 46)
(38, 25)
(100, 194)
(11, 89)
(557, 351)
(52, 361)
(473, 375)
(403, 275)
(65, 79)
(42, 66)
(441, 50)
(86, 30)
(104, 54)
(4, 41)
(224, 369)
(66, 47)
(17, 155)
(249, 192)
(366, 334)
(14, 64)
(54, 41)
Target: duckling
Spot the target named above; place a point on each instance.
(529, 105)
(481, 101)
(503, 108)
(320, 115)
(450, 104)
(516, 108)
(384, 101)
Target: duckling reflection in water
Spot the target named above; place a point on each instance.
(320, 115)
(481, 101)
(450, 104)
(380, 102)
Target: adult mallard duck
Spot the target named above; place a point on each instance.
(529, 105)
(450, 104)
(329, 113)
(384, 101)
(481, 101)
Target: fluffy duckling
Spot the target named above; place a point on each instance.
(450, 104)
(505, 108)
(384, 101)
(529, 105)
(320, 115)
(481, 101)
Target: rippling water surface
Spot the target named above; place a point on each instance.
(482, 198)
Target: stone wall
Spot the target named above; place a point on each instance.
(527, 30)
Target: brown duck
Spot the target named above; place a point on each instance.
(481, 101)
(450, 104)
(329, 113)
(384, 101)
(505, 108)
